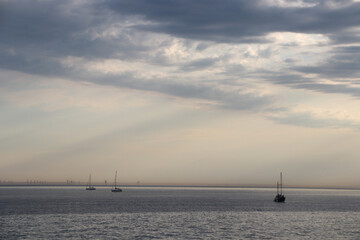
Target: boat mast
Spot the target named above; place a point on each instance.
(281, 183)
(115, 178)
(277, 188)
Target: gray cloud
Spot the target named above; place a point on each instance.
(346, 37)
(36, 35)
(341, 69)
(32, 63)
(61, 28)
(239, 21)
(297, 81)
(49, 29)
(330, 88)
(199, 64)
(344, 63)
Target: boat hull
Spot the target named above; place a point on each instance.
(116, 190)
(90, 188)
(279, 198)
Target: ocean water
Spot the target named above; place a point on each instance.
(177, 213)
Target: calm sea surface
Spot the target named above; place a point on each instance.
(177, 213)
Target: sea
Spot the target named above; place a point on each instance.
(177, 213)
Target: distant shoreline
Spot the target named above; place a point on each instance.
(176, 186)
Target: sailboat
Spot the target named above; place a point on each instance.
(280, 197)
(90, 187)
(116, 189)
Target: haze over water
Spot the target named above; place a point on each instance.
(177, 213)
(181, 92)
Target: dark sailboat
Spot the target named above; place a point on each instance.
(280, 197)
(90, 187)
(116, 189)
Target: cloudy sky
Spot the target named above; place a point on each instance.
(181, 92)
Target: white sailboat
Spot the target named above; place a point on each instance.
(90, 187)
(116, 189)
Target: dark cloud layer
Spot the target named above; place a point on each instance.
(239, 21)
(344, 63)
(36, 35)
(49, 31)
(199, 64)
(341, 69)
(297, 81)
(61, 28)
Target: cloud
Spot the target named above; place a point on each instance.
(309, 119)
(337, 74)
(298, 81)
(199, 64)
(235, 99)
(239, 21)
(54, 29)
(343, 63)
(37, 37)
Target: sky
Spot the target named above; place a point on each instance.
(194, 92)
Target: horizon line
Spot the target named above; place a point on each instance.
(61, 184)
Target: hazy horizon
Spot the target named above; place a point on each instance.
(191, 92)
(74, 183)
